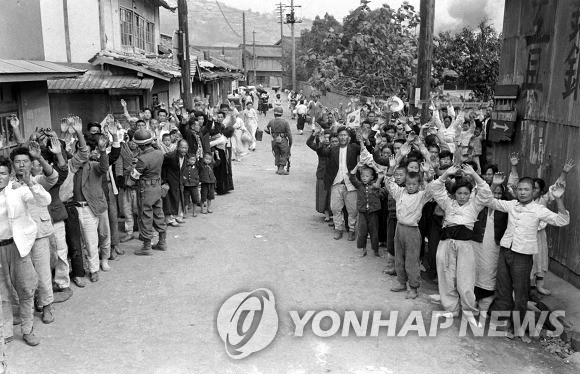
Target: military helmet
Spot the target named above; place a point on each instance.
(142, 137)
(278, 110)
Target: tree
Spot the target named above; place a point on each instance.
(373, 54)
(469, 57)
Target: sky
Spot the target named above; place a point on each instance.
(449, 14)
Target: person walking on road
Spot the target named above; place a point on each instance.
(281, 140)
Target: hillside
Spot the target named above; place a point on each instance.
(208, 27)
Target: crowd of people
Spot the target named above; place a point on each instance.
(68, 202)
(432, 198)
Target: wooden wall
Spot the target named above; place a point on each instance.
(541, 54)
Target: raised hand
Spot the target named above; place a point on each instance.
(54, 145)
(77, 124)
(468, 169)
(558, 190)
(392, 161)
(103, 143)
(123, 103)
(34, 150)
(568, 166)
(113, 129)
(28, 180)
(14, 121)
(514, 159)
(63, 125)
(498, 178)
(451, 170)
(405, 149)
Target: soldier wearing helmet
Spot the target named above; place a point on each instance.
(281, 140)
(146, 174)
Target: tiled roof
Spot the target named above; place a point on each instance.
(156, 65)
(43, 69)
(95, 81)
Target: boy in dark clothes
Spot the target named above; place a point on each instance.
(368, 205)
(190, 183)
(208, 181)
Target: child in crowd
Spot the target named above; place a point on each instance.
(208, 181)
(399, 177)
(190, 183)
(368, 206)
(166, 146)
(410, 201)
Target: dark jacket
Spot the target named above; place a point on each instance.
(313, 143)
(56, 209)
(206, 174)
(171, 173)
(500, 221)
(191, 139)
(190, 176)
(332, 163)
(92, 173)
(368, 195)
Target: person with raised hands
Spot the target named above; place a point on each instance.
(519, 244)
(455, 257)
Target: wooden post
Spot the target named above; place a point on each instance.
(427, 13)
(293, 47)
(244, 66)
(254, 54)
(184, 57)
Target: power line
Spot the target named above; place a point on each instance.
(231, 28)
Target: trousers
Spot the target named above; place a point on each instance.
(104, 229)
(151, 217)
(128, 201)
(391, 228)
(89, 224)
(40, 256)
(340, 197)
(281, 152)
(60, 249)
(368, 224)
(17, 273)
(112, 214)
(407, 249)
(513, 278)
(456, 275)
(74, 240)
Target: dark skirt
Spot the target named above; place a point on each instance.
(223, 172)
(322, 197)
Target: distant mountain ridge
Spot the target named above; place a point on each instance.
(207, 25)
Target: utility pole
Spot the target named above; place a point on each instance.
(291, 19)
(427, 14)
(254, 55)
(281, 11)
(184, 58)
(244, 66)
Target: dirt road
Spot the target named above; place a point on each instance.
(158, 314)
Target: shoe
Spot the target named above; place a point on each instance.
(331, 224)
(179, 220)
(377, 254)
(209, 210)
(399, 288)
(351, 236)
(173, 224)
(62, 295)
(412, 294)
(105, 265)
(443, 313)
(126, 238)
(390, 271)
(113, 254)
(161, 244)
(284, 172)
(145, 250)
(541, 289)
(47, 316)
(338, 235)
(363, 253)
(94, 277)
(119, 251)
(79, 282)
(9, 339)
(31, 339)
(471, 319)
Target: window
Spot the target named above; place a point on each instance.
(126, 27)
(7, 138)
(139, 32)
(150, 39)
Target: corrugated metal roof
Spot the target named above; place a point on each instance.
(264, 50)
(94, 82)
(35, 67)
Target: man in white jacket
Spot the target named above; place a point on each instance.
(17, 236)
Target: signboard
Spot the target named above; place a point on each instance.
(502, 126)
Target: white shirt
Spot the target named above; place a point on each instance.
(523, 221)
(5, 230)
(409, 206)
(342, 174)
(466, 214)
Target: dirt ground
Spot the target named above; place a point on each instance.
(158, 314)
